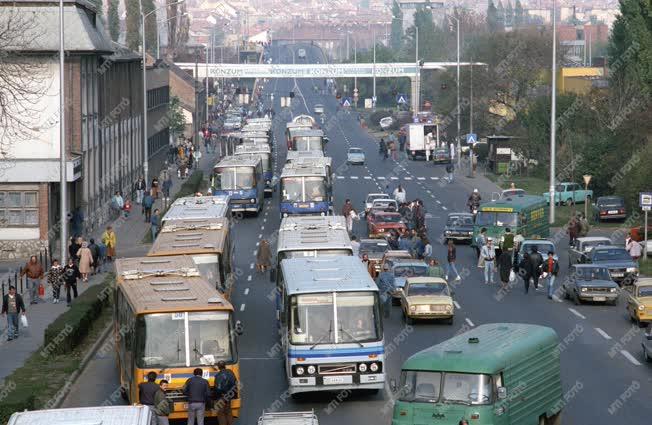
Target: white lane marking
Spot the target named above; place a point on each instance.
(265, 220)
(257, 243)
(251, 266)
(457, 306)
(629, 357)
(340, 177)
(246, 292)
(438, 201)
(428, 190)
(469, 322)
(260, 236)
(421, 178)
(249, 278)
(603, 333)
(354, 177)
(242, 307)
(394, 178)
(577, 313)
(408, 178)
(367, 177)
(444, 208)
(381, 178)
(262, 227)
(434, 178)
(556, 298)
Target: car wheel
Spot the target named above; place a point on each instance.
(569, 201)
(646, 355)
(566, 294)
(449, 321)
(396, 302)
(576, 299)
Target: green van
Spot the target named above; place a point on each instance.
(525, 215)
(498, 374)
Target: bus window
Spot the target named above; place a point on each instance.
(506, 219)
(420, 386)
(312, 319)
(161, 340)
(315, 189)
(357, 317)
(485, 218)
(292, 189)
(209, 337)
(238, 178)
(208, 265)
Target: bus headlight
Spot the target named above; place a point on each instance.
(413, 308)
(641, 307)
(362, 367)
(449, 308)
(311, 370)
(285, 215)
(323, 214)
(252, 200)
(373, 367)
(300, 370)
(268, 182)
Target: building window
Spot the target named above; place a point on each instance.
(19, 208)
(158, 97)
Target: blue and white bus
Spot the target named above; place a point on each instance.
(241, 177)
(264, 151)
(330, 324)
(304, 190)
(307, 140)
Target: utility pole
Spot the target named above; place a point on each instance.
(459, 147)
(206, 77)
(553, 115)
(471, 103)
(63, 180)
(374, 95)
(417, 74)
(355, 60)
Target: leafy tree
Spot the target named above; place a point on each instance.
(151, 27)
(114, 20)
(500, 15)
(177, 121)
(397, 27)
(509, 14)
(492, 17)
(133, 24)
(519, 14)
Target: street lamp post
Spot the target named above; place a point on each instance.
(374, 95)
(553, 115)
(459, 147)
(417, 73)
(63, 198)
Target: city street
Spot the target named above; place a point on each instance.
(605, 379)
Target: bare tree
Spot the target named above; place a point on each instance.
(178, 28)
(24, 80)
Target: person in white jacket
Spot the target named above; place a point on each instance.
(399, 194)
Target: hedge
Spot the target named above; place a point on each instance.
(14, 402)
(69, 329)
(192, 185)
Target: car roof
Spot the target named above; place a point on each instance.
(408, 262)
(426, 279)
(379, 194)
(374, 241)
(354, 148)
(589, 266)
(535, 241)
(643, 281)
(593, 238)
(460, 214)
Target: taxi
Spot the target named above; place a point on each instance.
(639, 305)
(427, 298)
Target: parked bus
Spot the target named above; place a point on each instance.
(304, 190)
(114, 415)
(330, 325)
(304, 119)
(494, 374)
(208, 242)
(168, 319)
(198, 208)
(241, 177)
(264, 151)
(307, 140)
(525, 215)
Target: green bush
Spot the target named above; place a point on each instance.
(192, 185)
(16, 400)
(69, 329)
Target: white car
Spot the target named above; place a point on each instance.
(368, 203)
(386, 123)
(355, 156)
(319, 109)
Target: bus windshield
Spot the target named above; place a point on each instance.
(308, 143)
(233, 178)
(161, 339)
(456, 388)
(303, 189)
(315, 189)
(313, 318)
(499, 219)
(292, 189)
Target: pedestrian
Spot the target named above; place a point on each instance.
(73, 247)
(12, 306)
(70, 276)
(147, 391)
(148, 202)
(167, 185)
(85, 261)
(355, 245)
(117, 204)
(427, 250)
(480, 241)
(488, 254)
(537, 261)
(584, 226)
(347, 212)
(573, 230)
(420, 216)
(155, 223)
(508, 241)
(450, 170)
(451, 258)
(140, 187)
(95, 252)
(154, 188)
(110, 240)
(634, 248)
(264, 256)
(400, 194)
(369, 266)
(393, 148)
(550, 270)
(463, 422)
(504, 268)
(226, 389)
(434, 269)
(382, 148)
(197, 391)
(401, 141)
(34, 273)
(55, 280)
(161, 404)
(525, 271)
(101, 256)
(127, 208)
(386, 287)
(404, 242)
(198, 156)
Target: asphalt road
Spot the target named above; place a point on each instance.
(605, 379)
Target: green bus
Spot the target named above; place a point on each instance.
(494, 374)
(525, 215)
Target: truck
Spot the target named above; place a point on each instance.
(569, 193)
(417, 139)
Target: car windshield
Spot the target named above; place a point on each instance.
(592, 273)
(541, 247)
(409, 271)
(611, 254)
(512, 192)
(388, 218)
(645, 291)
(235, 178)
(431, 288)
(610, 202)
(459, 220)
(368, 247)
(485, 218)
(162, 337)
(355, 150)
(313, 318)
(462, 388)
(371, 198)
(588, 245)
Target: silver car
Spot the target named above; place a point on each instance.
(355, 156)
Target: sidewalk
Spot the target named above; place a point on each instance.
(129, 232)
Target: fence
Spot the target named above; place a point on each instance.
(14, 277)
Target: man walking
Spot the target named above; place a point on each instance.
(451, 257)
(226, 389)
(161, 404)
(155, 222)
(536, 261)
(167, 185)
(450, 170)
(140, 190)
(147, 391)
(197, 391)
(34, 272)
(385, 283)
(347, 212)
(488, 254)
(550, 269)
(12, 306)
(148, 202)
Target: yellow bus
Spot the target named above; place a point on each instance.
(168, 319)
(207, 241)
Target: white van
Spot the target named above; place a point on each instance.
(113, 415)
(288, 418)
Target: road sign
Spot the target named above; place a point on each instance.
(471, 138)
(346, 101)
(645, 200)
(401, 98)
(373, 99)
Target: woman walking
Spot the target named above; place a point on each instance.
(85, 261)
(154, 188)
(55, 279)
(264, 256)
(110, 240)
(451, 257)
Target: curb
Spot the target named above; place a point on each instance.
(63, 394)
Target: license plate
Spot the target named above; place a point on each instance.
(612, 212)
(599, 298)
(334, 380)
(618, 274)
(185, 406)
(304, 205)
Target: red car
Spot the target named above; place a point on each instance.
(380, 223)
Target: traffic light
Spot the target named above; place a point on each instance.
(291, 95)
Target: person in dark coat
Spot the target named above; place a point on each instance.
(525, 271)
(504, 267)
(12, 306)
(70, 276)
(264, 256)
(537, 260)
